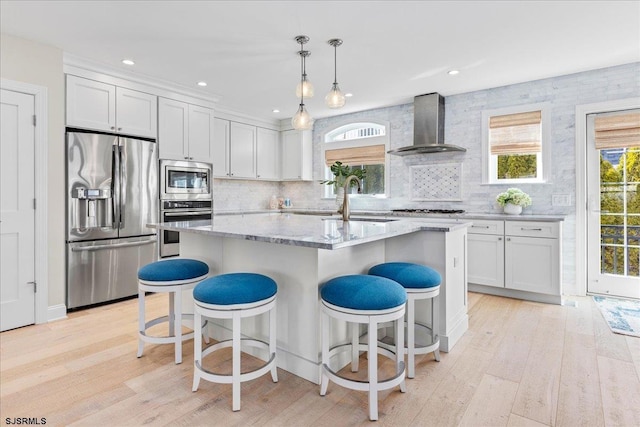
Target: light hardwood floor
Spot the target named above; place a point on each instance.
(520, 364)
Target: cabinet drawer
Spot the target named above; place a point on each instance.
(532, 229)
(483, 226)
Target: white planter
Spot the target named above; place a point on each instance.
(511, 209)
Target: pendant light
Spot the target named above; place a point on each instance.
(302, 120)
(304, 87)
(335, 98)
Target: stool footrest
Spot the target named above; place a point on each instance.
(421, 346)
(245, 376)
(362, 385)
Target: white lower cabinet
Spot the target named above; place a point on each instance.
(508, 257)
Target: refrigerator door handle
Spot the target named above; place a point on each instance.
(115, 246)
(115, 182)
(122, 183)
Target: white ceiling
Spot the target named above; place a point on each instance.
(392, 51)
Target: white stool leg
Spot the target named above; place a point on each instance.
(400, 350)
(324, 378)
(172, 319)
(141, 321)
(197, 350)
(435, 324)
(411, 338)
(372, 354)
(178, 324)
(236, 361)
(355, 351)
(272, 342)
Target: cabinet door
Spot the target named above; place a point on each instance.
(91, 104)
(201, 127)
(220, 160)
(485, 259)
(267, 154)
(297, 158)
(532, 264)
(242, 146)
(136, 113)
(173, 133)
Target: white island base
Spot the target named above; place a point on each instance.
(299, 271)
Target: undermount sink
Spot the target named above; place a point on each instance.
(362, 219)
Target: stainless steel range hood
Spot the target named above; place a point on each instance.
(428, 127)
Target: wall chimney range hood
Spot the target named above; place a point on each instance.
(428, 127)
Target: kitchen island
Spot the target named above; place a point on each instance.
(300, 252)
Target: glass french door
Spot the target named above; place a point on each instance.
(613, 184)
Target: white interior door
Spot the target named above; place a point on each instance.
(613, 184)
(17, 211)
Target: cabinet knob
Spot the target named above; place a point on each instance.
(508, 239)
(113, 127)
(258, 176)
(119, 129)
(186, 158)
(499, 238)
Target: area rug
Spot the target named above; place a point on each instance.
(622, 315)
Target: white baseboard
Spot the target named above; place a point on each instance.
(56, 312)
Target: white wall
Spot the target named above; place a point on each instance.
(38, 64)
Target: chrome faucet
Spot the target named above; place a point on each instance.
(345, 204)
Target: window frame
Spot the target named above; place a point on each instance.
(490, 162)
(327, 192)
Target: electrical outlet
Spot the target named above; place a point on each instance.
(561, 200)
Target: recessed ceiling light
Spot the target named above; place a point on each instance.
(128, 62)
(203, 84)
(275, 110)
(453, 72)
(348, 95)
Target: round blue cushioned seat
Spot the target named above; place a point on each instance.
(362, 292)
(172, 270)
(235, 288)
(408, 274)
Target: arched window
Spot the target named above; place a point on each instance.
(360, 145)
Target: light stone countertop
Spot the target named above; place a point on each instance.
(463, 217)
(308, 230)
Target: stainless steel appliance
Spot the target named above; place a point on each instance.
(182, 210)
(112, 193)
(181, 180)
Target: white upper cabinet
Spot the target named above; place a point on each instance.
(186, 132)
(267, 154)
(297, 157)
(100, 106)
(221, 140)
(242, 149)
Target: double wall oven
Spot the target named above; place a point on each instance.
(185, 195)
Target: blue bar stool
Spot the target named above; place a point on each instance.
(235, 296)
(370, 300)
(421, 283)
(171, 276)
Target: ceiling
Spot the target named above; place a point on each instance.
(392, 51)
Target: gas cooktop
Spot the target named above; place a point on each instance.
(430, 211)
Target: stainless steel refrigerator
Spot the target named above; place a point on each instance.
(112, 193)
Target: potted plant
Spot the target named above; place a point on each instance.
(340, 173)
(513, 200)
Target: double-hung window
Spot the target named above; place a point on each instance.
(360, 146)
(516, 145)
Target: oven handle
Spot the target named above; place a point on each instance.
(187, 213)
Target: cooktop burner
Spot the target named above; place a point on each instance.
(428, 211)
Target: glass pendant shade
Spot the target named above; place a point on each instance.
(335, 98)
(304, 88)
(302, 120)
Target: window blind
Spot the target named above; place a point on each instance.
(518, 133)
(618, 131)
(368, 155)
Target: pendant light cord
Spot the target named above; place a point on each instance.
(335, 64)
